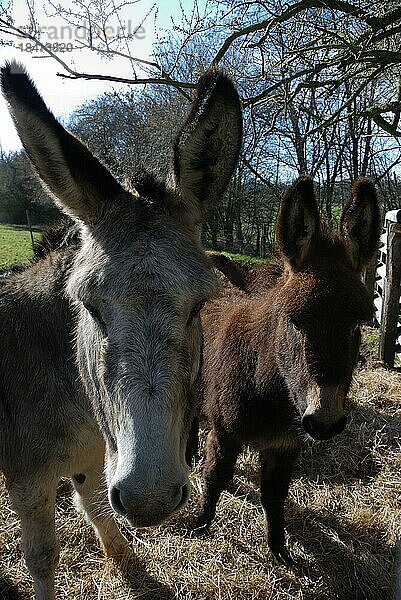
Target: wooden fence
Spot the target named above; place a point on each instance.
(388, 289)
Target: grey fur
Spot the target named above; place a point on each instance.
(101, 338)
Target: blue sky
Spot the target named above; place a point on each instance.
(62, 95)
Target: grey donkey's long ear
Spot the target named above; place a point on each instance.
(298, 223)
(360, 223)
(207, 148)
(77, 179)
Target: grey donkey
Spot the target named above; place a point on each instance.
(101, 338)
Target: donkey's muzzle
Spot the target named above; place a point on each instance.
(147, 510)
(323, 431)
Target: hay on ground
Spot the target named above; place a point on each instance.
(343, 519)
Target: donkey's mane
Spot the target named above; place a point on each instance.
(259, 278)
(57, 236)
(11, 270)
(65, 233)
(147, 185)
(246, 277)
(60, 235)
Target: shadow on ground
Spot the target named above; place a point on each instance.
(8, 591)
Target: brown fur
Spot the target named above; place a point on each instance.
(278, 361)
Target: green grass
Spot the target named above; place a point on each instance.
(246, 258)
(15, 245)
(372, 340)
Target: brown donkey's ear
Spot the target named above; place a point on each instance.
(77, 179)
(298, 224)
(360, 223)
(207, 148)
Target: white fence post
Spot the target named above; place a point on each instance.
(387, 292)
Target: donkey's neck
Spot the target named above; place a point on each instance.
(262, 327)
(37, 294)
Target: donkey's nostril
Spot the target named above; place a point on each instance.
(320, 431)
(184, 497)
(339, 426)
(115, 501)
(307, 424)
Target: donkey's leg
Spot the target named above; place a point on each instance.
(276, 473)
(191, 452)
(221, 455)
(91, 500)
(34, 501)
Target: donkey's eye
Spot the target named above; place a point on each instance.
(195, 311)
(295, 327)
(94, 313)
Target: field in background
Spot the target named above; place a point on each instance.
(246, 258)
(15, 245)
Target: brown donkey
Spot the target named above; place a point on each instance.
(278, 362)
(101, 334)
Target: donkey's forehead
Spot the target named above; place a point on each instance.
(336, 295)
(156, 257)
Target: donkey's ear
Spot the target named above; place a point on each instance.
(360, 223)
(298, 224)
(206, 149)
(79, 182)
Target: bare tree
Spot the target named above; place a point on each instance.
(320, 82)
